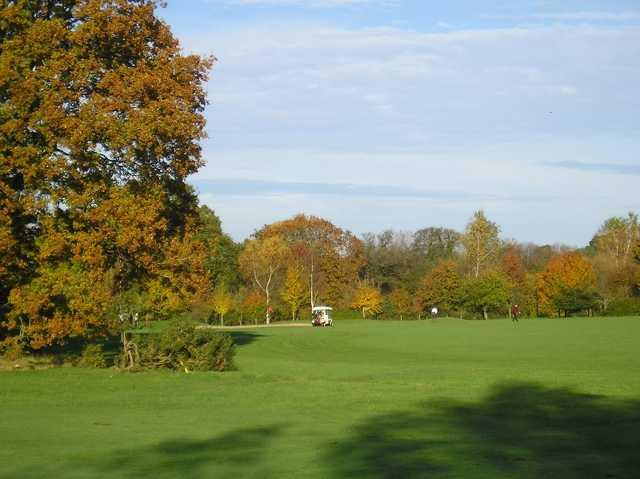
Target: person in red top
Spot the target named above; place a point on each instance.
(515, 313)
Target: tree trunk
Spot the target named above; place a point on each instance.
(312, 301)
(363, 315)
(268, 315)
(222, 320)
(484, 313)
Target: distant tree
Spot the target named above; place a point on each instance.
(613, 255)
(522, 292)
(513, 266)
(401, 302)
(260, 261)
(535, 258)
(368, 300)
(481, 243)
(435, 244)
(617, 238)
(221, 301)
(564, 272)
(485, 293)
(252, 305)
(294, 292)
(330, 257)
(391, 261)
(222, 251)
(572, 300)
(441, 287)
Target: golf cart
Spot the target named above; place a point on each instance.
(321, 316)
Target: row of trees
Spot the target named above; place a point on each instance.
(476, 271)
(292, 265)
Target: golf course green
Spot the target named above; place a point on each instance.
(382, 399)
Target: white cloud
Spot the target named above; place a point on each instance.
(311, 85)
(460, 110)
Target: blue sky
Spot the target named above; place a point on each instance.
(404, 114)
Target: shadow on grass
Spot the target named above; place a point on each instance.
(242, 338)
(519, 430)
(232, 452)
(235, 453)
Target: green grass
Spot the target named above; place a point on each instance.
(443, 398)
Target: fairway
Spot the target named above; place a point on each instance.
(442, 398)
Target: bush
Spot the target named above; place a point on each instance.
(623, 307)
(11, 348)
(92, 357)
(183, 347)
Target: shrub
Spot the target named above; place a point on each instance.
(183, 347)
(92, 357)
(624, 307)
(11, 348)
(573, 300)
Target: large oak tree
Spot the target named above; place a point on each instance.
(100, 122)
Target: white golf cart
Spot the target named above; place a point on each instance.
(321, 316)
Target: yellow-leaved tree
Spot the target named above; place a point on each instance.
(481, 243)
(260, 262)
(368, 300)
(221, 301)
(294, 291)
(401, 301)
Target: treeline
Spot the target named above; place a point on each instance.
(475, 272)
(289, 266)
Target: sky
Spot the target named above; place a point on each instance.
(405, 114)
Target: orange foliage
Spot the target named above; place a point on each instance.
(568, 270)
(100, 125)
(513, 266)
(330, 256)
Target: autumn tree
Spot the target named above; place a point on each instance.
(481, 243)
(221, 301)
(401, 302)
(441, 287)
(513, 266)
(100, 122)
(488, 292)
(252, 305)
(368, 300)
(294, 291)
(330, 257)
(617, 238)
(521, 281)
(260, 262)
(615, 244)
(565, 272)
